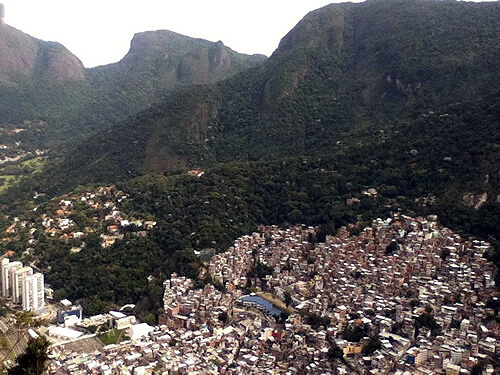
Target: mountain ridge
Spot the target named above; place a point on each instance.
(343, 69)
(43, 80)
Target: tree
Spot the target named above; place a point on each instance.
(33, 360)
(315, 320)
(428, 321)
(355, 333)
(392, 247)
(478, 368)
(283, 317)
(22, 321)
(335, 353)
(445, 253)
(223, 317)
(373, 345)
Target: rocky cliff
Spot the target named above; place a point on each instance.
(168, 59)
(23, 57)
(44, 80)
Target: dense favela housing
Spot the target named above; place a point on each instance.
(402, 296)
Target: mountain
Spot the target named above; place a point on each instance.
(174, 59)
(36, 77)
(363, 110)
(26, 58)
(43, 80)
(345, 73)
(158, 63)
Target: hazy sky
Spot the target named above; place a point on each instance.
(99, 31)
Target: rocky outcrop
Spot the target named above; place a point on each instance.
(24, 57)
(322, 28)
(58, 64)
(19, 53)
(176, 59)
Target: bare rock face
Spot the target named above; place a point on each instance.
(22, 57)
(206, 65)
(18, 51)
(60, 65)
(219, 56)
(179, 59)
(322, 28)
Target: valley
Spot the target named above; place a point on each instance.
(352, 178)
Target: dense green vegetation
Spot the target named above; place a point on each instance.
(328, 82)
(372, 346)
(399, 96)
(228, 201)
(110, 93)
(33, 360)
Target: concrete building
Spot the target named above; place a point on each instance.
(33, 292)
(4, 276)
(69, 311)
(8, 272)
(452, 369)
(17, 283)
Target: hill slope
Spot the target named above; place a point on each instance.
(344, 73)
(43, 80)
(33, 74)
(27, 57)
(397, 96)
(158, 63)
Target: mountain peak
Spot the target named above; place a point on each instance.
(159, 44)
(310, 31)
(179, 59)
(26, 57)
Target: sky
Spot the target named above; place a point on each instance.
(99, 31)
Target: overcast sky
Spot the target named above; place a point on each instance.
(99, 31)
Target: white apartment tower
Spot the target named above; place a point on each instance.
(3, 276)
(2, 14)
(17, 284)
(21, 285)
(8, 272)
(33, 292)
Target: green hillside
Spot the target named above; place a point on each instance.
(43, 81)
(344, 70)
(397, 96)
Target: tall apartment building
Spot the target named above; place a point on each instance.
(3, 275)
(8, 272)
(21, 285)
(33, 296)
(17, 284)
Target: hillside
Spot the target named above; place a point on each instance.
(345, 71)
(363, 110)
(34, 73)
(24, 57)
(158, 63)
(44, 81)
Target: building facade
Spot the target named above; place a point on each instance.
(17, 283)
(32, 294)
(21, 285)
